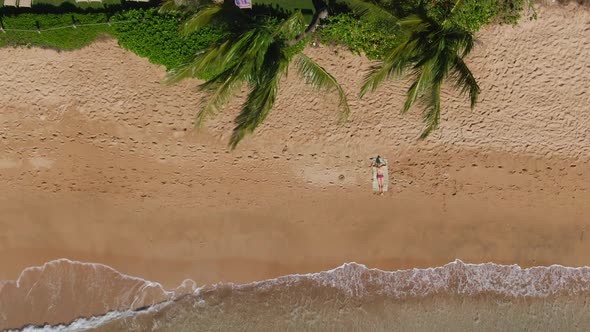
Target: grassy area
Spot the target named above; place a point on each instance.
(82, 5)
(67, 38)
(57, 3)
(305, 5)
(153, 36)
(60, 39)
(142, 31)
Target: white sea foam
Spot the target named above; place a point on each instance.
(356, 280)
(87, 324)
(49, 264)
(456, 277)
(63, 289)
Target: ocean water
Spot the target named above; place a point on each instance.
(352, 297)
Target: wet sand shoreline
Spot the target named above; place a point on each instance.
(156, 238)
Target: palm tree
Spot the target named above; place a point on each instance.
(257, 55)
(430, 52)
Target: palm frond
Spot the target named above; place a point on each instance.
(319, 78)
(443, 60)
(395, 64)
(465, 81)
(457, 5)
(257, 107)
(413, 23)
(185, 6)
(213, 58)
(247, 50)
(253, 54)
(460, 41)
(243, 60)
(168, 6)
(204, 60)
(432, 111)
(184, 71)
(370, 9)
(229, 84)
(465, 45)
(290, 27)
(422, 82)
(262, 97)
(201, 18)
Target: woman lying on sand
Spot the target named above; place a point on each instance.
(378, 163)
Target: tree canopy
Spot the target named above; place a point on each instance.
(257, 55)
(430, 44)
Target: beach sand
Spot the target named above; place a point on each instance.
(99, 162)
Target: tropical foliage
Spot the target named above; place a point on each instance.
(430, 51)
(471, 15)
(65, 39)
(155, 36)
(256, 56)
(233, 49)
(360, 36)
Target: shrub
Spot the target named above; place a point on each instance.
(374, 38)
(361, 36)
(472, 15)
(144, 32)
(157, 37)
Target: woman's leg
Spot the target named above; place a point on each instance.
(381, 185)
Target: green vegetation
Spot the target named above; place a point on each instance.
(360, 36)
(83, 5)
(230, 48)
(257, 56)
(471, 15)
(375, 36)
(156, 36)
(425, 39)
(66, 3)
(433, 40)
(144, 32)
(430, 53)
(65, 39)
(306, 6)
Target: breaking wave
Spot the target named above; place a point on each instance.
(62, 290)
(349, 297)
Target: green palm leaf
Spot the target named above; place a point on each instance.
(370, 9)
(422, 83)
(319, 78)
(204, 60)
(187, 6)
(258, 58)
(227, 84)
(432, 111)
(394, 65)
(262, 97)
(201, 18)
(413, 24)
(432, 51)
(465, 81)
(168, 6)
(187, 70)
(460, 41)
(291, 27)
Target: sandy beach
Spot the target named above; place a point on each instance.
(99, 162)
